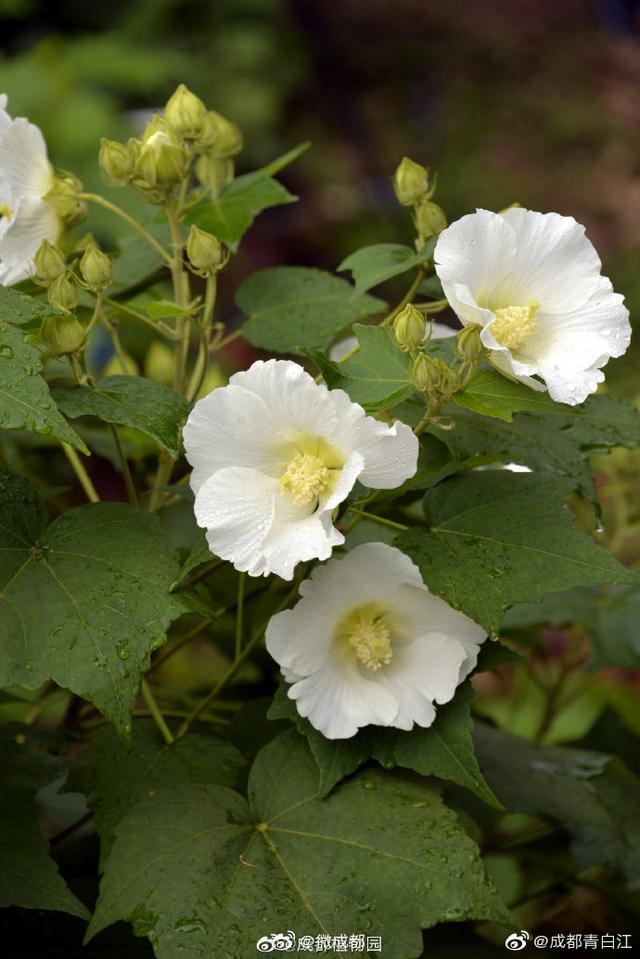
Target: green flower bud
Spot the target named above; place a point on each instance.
(61, 334)
(157, 124)
(212, 171)
(96, 269)
(410, 182)
(49, 262)
(63, 293)
(469, 344)
(425, 374)
(85, 241)
(185, 113)
(115, 162)
(65, 200)
(205, 251)
(409, 327)
(219, 135)
(162, 163)
(430, 219)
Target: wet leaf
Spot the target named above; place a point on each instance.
(25, 400)
(374, 264)
(491, 394)
(85, 600)
(28, 875)
(115, 777)
(203, 872)
(154, 409)
(498, 538)
(291, 308)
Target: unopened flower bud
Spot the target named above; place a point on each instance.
(63, 293)
(49, 262)
(115, 162)
(212, 171)
(205, 251)
(64, 197)
(185, 113)
(410, 182)
(85, 241)
(469, 344)
(219, 135)
(61, 334)
(162, 163)
(409, 327)
(96, 269)
(429, 374)
(430, 219)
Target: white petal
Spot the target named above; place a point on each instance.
(477, 251)
(296, 536)
(299, 639)
(232, 426)
(5, 119)
(23, 160)
(295, 401)
(421, 673)
(439, 331)
(390, 452)
(35, 221)
(555, 264)
(346, 481)
(338, 701)
(237, 506)
(428, 615)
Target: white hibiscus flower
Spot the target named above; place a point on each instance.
(369, 644)
(26, 176)
(273, 455)
(532, 281)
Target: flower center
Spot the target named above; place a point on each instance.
(305, 478)
(5, 210)
(515, 324)
(370, 638)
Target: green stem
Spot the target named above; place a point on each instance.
(228, 339)
(231, 671)
(240, 613)
(377, 519)
(140, 230)
(178, 645)
(409, 295)
(126, 472)
(181, 297)
(154, 709)
(81, 473)
(129, 311)
(200, 369)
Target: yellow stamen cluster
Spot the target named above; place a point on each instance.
(306, 477)
(370, 638)
(515, 324)
(5, 210)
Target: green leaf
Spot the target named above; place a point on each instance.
(443, 749)
(158, 309)
(22, 310)
(594, 794)
(293, 307)
(559, 442)
(28, 875)
(85, 600)
(611, 616)
(239, 202)
(25, 401)
(199, 554)
(204, 873)
(138, 261)
(154, 409)
(491, 394)
(114, 778)
(377, 376)
(498, 538)
(374, 264)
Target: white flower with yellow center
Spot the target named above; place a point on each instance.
(274, 454)
(368, 644)
(532, 281)
(26, 176)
